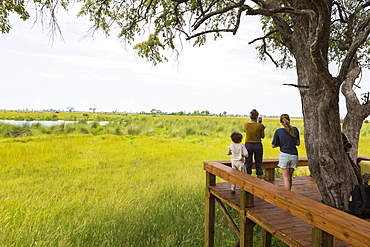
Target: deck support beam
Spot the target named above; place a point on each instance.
(321, 238)
(266, 238)
(246, 225)
(228, 217)
(209, 235)
(270, 174)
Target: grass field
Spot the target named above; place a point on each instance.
(137, 182)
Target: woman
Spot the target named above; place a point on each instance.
(254, 132)
(287, 139)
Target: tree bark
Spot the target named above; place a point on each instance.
(328, 163)
(356, 112)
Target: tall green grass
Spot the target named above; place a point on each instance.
(145, 126)
(183, 128)
(103, 191)
(139, 182)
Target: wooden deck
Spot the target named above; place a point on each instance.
(296, 217)
(265, 214)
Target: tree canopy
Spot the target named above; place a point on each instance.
(307, 35)
(164, 24)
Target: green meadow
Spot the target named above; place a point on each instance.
(136, 181)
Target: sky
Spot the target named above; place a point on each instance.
(99, 72)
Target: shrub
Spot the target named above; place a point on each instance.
(70, 128)
(12, 131)
(84, 130)
(30, 118)
(95, 125)
(133, 129)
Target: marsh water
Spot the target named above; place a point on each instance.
(46, 123)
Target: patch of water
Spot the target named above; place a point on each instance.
(47, 123)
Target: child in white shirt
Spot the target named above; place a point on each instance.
(238, 152)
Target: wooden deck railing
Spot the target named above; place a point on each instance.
(327, 222)
(269, 165)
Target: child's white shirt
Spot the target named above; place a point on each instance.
(239, 151)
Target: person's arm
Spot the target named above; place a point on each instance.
(275, 141)
(245, 152)
(263, 131)
(298, 140)
(229, 152)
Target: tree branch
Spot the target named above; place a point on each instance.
(347, 87)
(340, 11)
(265, 45)
(264, 37)
(268, 54)
(365, 5)
(147, 9)
(361, 36)
(352, 102)
(270, 8)
(319, 53)
(188, 37)
(366, 98)
(237, 24)
(217, 12)
(202, 10)
(296, 85)
(266, 11)
(185, 33)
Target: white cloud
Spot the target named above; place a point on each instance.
(223, 75)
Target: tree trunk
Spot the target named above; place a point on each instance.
(309, 43)
(328, 163)
(356, 112)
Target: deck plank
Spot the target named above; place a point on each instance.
(290, 229)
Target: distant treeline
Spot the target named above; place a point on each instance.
(53, 115)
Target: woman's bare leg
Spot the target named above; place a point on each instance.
(287, 177)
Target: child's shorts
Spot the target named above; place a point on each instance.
(288, 160)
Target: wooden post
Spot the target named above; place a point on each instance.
(249, 200)
(246, 225)
(266, 238)
(321, 238)
(209, 225)
(270, 174)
